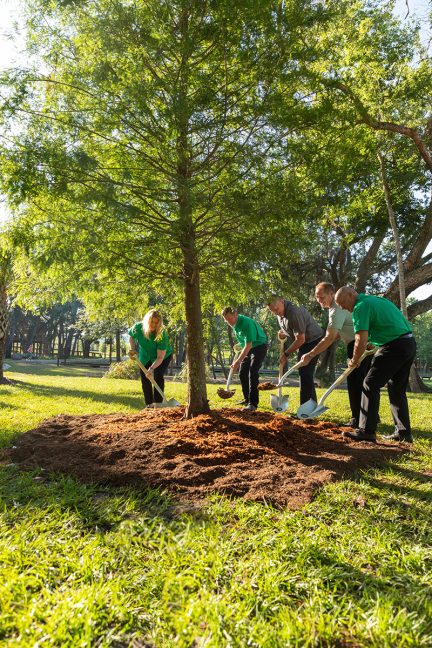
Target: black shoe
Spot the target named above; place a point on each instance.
(397, 435)
(351, 423)
(361, 435)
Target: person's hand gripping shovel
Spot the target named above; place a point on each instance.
(148, 374)
(278, 402)
(311, 409)
(227, 392)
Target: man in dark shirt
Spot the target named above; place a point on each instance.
(298, 325)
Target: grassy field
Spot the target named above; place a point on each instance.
(93, 566)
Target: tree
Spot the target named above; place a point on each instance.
(141, 138)
(5, 279)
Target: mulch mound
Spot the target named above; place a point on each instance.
(258, 456)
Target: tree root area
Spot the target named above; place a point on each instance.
(255, 455)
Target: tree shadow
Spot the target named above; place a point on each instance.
(136, 402)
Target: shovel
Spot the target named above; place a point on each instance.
(311, 409)
(227, 392)
(278, 402)
(165, 403)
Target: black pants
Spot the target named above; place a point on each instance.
(158, 375)
(391, 364)
(307, 385)
(355, 382)
(249, 373)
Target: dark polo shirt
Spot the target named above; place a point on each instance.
(297, 319)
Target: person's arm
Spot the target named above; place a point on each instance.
(133, 348)
(299, 340)
(360, 344)
(161, 353)
(235, 365)
(331, 335)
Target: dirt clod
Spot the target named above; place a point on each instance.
(257, 456)
(266, 386)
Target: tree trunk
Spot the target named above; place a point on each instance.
(86, 348)
(197, 389)
(416, 384)
(4, 319)
(118, 345)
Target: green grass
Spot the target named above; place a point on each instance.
(94, 566)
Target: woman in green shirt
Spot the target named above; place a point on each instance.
(150, 340)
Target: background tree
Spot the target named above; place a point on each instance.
(5, 279)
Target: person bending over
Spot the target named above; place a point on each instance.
(298, 325)
(340, 327)
(380, 322)
(150, 340)
(254, 348)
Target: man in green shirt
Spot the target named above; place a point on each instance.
(254, 342)
(378, 321)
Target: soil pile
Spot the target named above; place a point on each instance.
(258, 456)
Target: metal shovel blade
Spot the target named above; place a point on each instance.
(167, 403)
(279, 403)
(310, 409)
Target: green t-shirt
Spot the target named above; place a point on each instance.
(247, 330)
(380, 317)
(148, 347)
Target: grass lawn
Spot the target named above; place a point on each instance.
(94, 566)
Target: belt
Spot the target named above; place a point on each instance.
(405, 336)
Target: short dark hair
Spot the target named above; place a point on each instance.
(228, 310)
(273, 298)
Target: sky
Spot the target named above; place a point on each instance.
(12, 44)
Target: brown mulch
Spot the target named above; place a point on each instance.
(266, 386)
(255, 455)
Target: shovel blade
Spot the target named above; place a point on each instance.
(310, 409)
(168, 403)
(279, 403)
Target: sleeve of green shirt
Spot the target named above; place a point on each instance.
(133, 331)
(361, 317)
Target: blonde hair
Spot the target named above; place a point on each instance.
(152, 314)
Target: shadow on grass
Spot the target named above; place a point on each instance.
(100, 508)
(136, 402)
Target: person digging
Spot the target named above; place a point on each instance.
(149, 340)
(378, 321)
(254, 348)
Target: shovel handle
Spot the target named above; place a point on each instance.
(150, 377)
(287, 373)
(231, 371)
(343, 375)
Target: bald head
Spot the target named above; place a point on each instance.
(346, 298)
